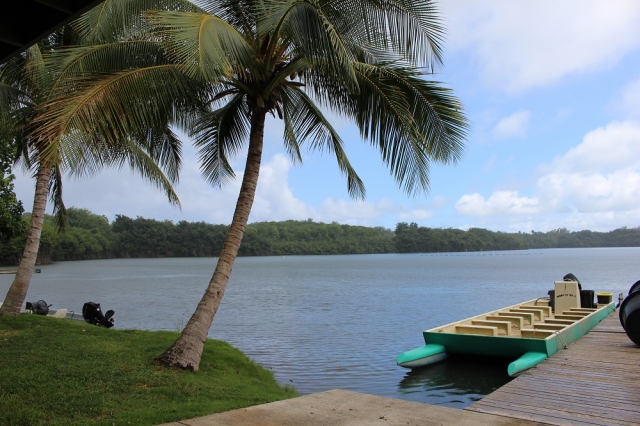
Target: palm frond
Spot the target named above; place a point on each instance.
(15, 108)
(304, 121)
(205, 44)
(219, 134)
(12, 72)
(239, 13)
(118, 20)
(164, 147)
(382, 112)
(311, 34)
(140, 161)
(115, 106)
(11, 98)
(411, 29)
(86, 159)
(70, 64)
(36, 74)
(437, 113)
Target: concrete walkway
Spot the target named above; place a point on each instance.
(339, 407)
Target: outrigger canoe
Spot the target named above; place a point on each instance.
(528, 333)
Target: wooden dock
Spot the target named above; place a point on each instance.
(595, 381)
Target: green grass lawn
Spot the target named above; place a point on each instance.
(62, 372)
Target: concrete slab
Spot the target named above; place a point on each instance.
(344, 408)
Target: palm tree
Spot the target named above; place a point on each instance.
(27, 83)
(366, 60)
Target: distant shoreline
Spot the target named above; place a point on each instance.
(90, 236)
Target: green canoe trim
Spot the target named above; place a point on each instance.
(525, 362)
(420, 353)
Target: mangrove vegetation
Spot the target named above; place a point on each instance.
(92, 236)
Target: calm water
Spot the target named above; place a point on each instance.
(326, 322)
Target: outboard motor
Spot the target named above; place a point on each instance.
(93, 315)
(40, 307)
(629, 313)
(586, 296)
(571, 277)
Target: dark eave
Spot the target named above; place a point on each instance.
(24, 22)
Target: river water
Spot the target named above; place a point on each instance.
(327, 322)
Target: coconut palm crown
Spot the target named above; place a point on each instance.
(234, 62)
(28, 84)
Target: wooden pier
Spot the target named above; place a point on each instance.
(595, 381)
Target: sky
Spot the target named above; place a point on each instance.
(552, 91)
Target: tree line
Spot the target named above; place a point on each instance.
(92, 236)
(411, 238)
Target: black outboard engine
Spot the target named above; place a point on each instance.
(40, 307)
(629, 313)
(93, 315)
(571, 277)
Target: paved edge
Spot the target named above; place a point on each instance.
(340, 407)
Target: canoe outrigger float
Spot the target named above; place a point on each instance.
(528, 332)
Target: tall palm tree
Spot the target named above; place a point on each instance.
(27, 83)
(365, 60)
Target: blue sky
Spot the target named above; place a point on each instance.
(552, 90)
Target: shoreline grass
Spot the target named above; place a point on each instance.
(62, 372)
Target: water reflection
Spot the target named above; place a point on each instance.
(337, 322)
(456, 382)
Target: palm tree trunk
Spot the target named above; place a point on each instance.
(186, 351)
(18, 290)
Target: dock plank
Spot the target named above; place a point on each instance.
(595, 381)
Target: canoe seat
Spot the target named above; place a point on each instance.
(578, 313)
(569, 317)
(504, 327)
(477, 329)
(528, 316)
(515, 321)
(537, 313)
(545, 308)
(582, 310)
(545, 311)
(552, 327)
(531, 333)
(559, 321)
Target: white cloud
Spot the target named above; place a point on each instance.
(515, 125)
(592, 192)
(532, 43)
(109, 193)
(274, 198)
(595, 185)
(354, 212)
(607, 148)
(500, 203)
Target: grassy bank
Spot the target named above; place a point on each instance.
(63, 372)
